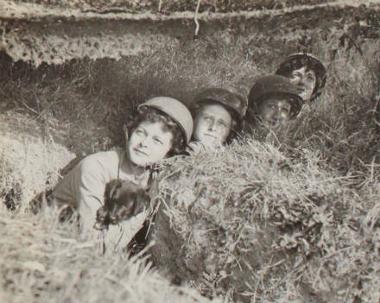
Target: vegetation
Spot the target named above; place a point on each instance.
(291, 216)
(255, 225)
(42, 261)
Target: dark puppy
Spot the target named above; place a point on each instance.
(122, 200)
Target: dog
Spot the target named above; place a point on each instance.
(122, 200)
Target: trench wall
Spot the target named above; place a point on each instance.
(79, 74)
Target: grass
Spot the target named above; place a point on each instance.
(292, 218)
(43, 261)
(268, 228)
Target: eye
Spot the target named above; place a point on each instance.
(285, 110)
(295, 75)
(310, 77)
(139, 131)
(222, 123)
(157, 140)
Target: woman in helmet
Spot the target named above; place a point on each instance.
(273, 100)
(161, 128)
(218, 115)
(307, 72)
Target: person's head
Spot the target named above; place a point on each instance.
(218, 115)
(161, 128)
(273, 100)
(305, 71)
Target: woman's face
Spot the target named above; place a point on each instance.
(149, 143)
(305, 80)
(212, 125)
(274, 111)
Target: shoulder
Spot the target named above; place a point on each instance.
(103, 158)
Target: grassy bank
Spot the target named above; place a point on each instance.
(257, 225)
(42, 261)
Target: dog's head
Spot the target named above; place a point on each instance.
(122, 200)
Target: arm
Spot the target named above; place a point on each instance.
(90, 186)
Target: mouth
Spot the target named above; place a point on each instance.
(211, 136)
(275, 122)
(301, 89)
(140, 152)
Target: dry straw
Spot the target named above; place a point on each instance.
(254, 224)
(43, 261)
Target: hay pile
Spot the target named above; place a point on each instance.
(30, 160)
(254, 225)
(42, 261)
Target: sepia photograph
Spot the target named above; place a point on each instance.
(190, 151)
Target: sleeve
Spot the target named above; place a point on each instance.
(91, 184)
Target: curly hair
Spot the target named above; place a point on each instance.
(149, 114)
(296, 62)
(235, 125)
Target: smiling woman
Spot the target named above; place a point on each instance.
(273, 101)
(149, 143)
(213, 124)
(218, 115)
(162, 126)
(305, 71)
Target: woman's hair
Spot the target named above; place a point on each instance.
(287, 67)
(235, 128)
(149, 114)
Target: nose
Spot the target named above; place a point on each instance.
(143, 142)
(211, 125)
(279, 113)
(276, 113)
(301, 79)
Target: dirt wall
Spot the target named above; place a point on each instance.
(88, 73)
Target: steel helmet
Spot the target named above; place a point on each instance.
(274, 85)
(298, 60)
(176, 110)
(234, 103)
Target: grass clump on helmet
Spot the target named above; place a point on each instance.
(273, 86)
(175, 116)
(235, 104)
(299, 60)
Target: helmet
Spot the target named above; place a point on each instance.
(274, 85)
(176, 110)
(234, 103)
(298, 60)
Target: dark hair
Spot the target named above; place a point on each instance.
(149, 114)
(288, 66)
(235, 126)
